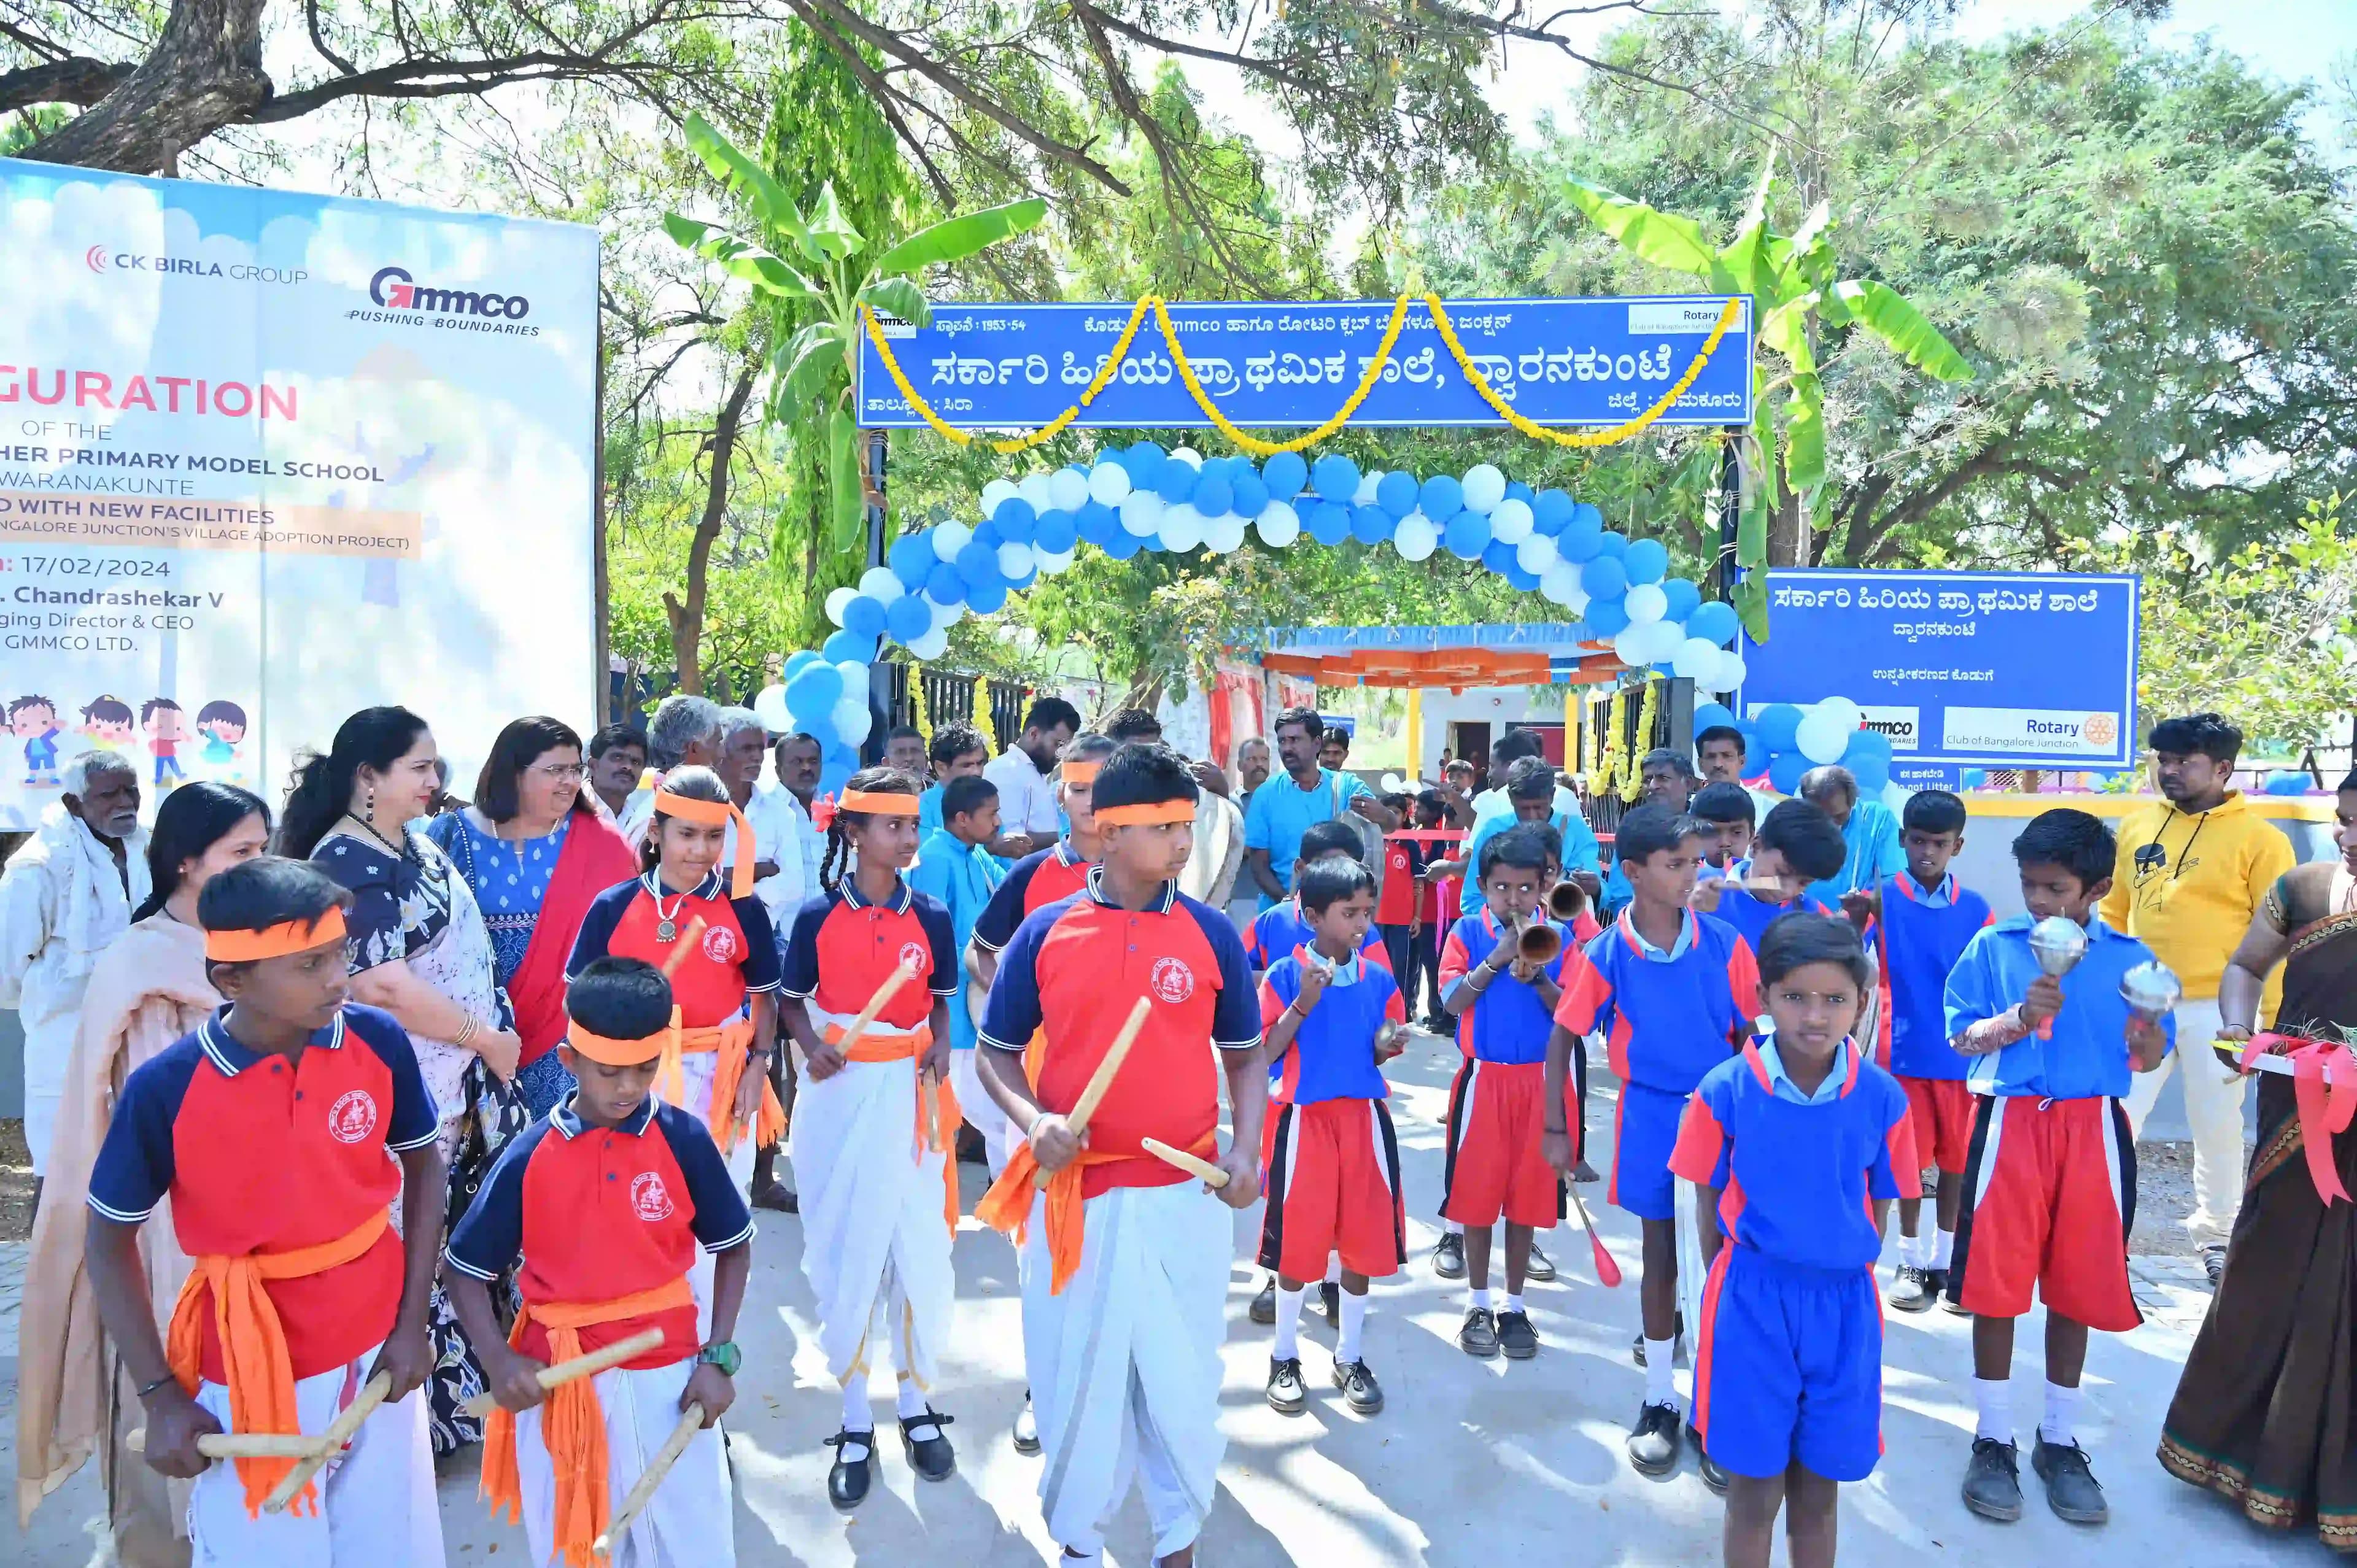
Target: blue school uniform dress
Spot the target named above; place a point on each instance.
(1918, 938)
(961, 877)
(2050, 1175)
(1333, 1166)
(1038, 880)
(1669, 1017)
(1495, 1167)
(1789, 1363)
(1281, 929)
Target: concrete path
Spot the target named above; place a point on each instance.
(1472, 1463)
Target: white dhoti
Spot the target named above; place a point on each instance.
(695, 1080)
(376, 1501)
(1125, 1364)
(999, 1135)
(876, 1238)
(690, 1521)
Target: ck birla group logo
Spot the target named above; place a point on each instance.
(1171, 979)
(352, 1117)
(99, 258)
(395, 289)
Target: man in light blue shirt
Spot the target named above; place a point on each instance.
(1869, 833)
(1530, 792)
(1290, 803)
(1667, 776)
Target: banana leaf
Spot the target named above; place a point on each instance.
(847, 508)
(803, 364)
(897, 296)
(955, 239)
(1651, 236)
(739, 258)
(746, 178)
(830, 230)
(1804, 437)
(1751, 603)
(1888, 316)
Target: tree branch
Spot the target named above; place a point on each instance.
(77, 79)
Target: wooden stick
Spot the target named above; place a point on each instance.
(588, 1365)
(242, 1444)
(1193, 1164)
(680, 949)
(1101, 1079)
(929, 1107)
(331, 1442)
(642, 1491)
(876, 1004)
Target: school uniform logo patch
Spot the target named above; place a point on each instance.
(352, 1117)
(650, 1197)
(1171, 979)
(720, 944)
(914, 956)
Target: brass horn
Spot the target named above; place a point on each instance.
(1538, 943)
(1566, 900)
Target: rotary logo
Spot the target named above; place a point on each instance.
(352, 1117)
(720, 944)
(2101, 729)
(914, 956)
(1171, 979)
(650, 1197)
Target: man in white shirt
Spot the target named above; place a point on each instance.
(1025, 774)
(798, 763)
(684, 733)
(1513, 746)
(1721, 752)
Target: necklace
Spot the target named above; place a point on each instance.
(667, 923)
(370, 827)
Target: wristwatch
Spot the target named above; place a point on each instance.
(725, 1355)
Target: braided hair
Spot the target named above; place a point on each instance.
(836, 863)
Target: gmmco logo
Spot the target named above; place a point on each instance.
(393, 288)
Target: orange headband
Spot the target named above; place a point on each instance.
(274, 941)
(1138, 816)
(1081, 772)
(712, 814)
(625, 1053)
(879, 803)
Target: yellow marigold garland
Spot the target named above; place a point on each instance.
(1047, 431)
(1599, 778)
(918, 718)
(1254, 443)
(1617, 433)
(981, 715)
(1632, 778)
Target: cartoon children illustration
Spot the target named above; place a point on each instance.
(166, 724)
(223, 724)
(109, 723)
(33, 719)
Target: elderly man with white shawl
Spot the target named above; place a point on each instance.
(67, 893)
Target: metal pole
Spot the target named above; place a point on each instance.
(879, 674)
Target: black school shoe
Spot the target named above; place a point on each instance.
(1654, 1441)
(1516, 1337)
(1914, 1290)
(1359, 1390)
(1329, 1297)
(1477, 1336)
(2071, 1490)
(932, 1457)
(1712, 1475)
(1447, 1257)
(1993, 1480)
(848, 1480)
(1287, 1396)
(1263, 1305)
(1540, 1271)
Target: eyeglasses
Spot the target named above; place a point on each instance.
(558, 772)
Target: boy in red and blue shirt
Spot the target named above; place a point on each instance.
(1675, 992)
(1798, 1145)
(2052, 1168)
(1797, 847)
(1281, 928)
(1332, 1017)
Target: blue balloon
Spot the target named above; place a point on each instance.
(1715, 620)
(910, 557)
(2276, 784)
(1518, 491)
(1121, 544)
(1613, 544)
(1784, 770)
(1016, 521)
(1176, 484)
(1441, 497)
(1248, 494)
(1604, 578)
(831, 779)
(1589, 516)
(944, 586)
(1327, 523)
(986, 532)
(1712, 715)
(1498, 555)
(848, 647)
(1144, 462)
(1372, 524)
(1395, 493)
(1025, 581)
(1099, 523)
(1867, 743)
(1466, 534)
(1647, 560)
(1684, 597)
(907, 618)
(1525, 582)
(799, 660)
(863, 618)
(1334, 477)
(839, 754)
(1607, 617)
(988, 600)
(1582, 538)
(977, 564)
(1552, 512)
(1213, 495)
(1870, 765)
(1779, 726)
(1284, 473)
(1058, 530)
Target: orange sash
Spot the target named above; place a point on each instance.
(941, 1135)
(729, 1042)
(1008, 1204)
(254, 1361)
(572, 1422)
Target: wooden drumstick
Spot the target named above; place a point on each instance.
(876, 1004)
(1193, 1164)
(242, 1444)
(588, 1365)
(688, 937)
(642, 1491)
(1101, 1079)
(331, 1442)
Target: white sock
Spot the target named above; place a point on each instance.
(1454, 1228)
(1514, 1301)
(1993, 1397)
(1479, 1298)
(1943, 1250)
(1915, 1251)
(857, 1416)
(1288, 1323)
(911, 1403)
(1661, 1356)
(2061, 1412)
(1355, 1319)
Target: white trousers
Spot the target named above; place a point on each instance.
(1125, 1364)
(689, 1522)
(2213, 1109)
(695, 1078)
(376, 1503)
(999, 1135)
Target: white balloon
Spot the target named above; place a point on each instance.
(879, 584)
(852, 719)
(1821, 739)
(1365, 494)
(1068, 490)
(1014, 560)
(1646, 602)
(1485, 487)
(1224, 533)
(1696, 658)
(1108, 483)
(770, 707)
(1629, 644)
(1511, 521)
(1559, 582)
(836, 602)
(950, 538)
(1141, 513)
(996, 491)
(1050, 562)
(1187, 456)
(932, 645)
(1536, 553)
(1662, 640)
(1278, 523)
(1896, 795)
(855, 675)
(1841, 713)
(1731, 671)
(1182, 528)
(1415, 539)
(1039, 490)
(945, 616)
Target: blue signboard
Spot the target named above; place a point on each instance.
(1992, 668)
(1557, 361)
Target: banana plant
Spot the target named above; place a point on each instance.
(819, 270)
(1798, 297)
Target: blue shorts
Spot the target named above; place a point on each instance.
(1789, 1367)
(1644, 1131)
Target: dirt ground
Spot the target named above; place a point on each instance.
(15, 1183)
